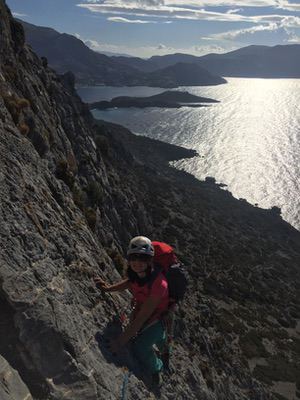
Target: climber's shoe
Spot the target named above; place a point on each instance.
(156, 380)
(165, 358)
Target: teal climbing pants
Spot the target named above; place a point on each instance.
(143, 346)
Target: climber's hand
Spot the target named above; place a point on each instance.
(101, 284)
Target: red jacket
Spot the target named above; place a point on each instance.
(158, 289)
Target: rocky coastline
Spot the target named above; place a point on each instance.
(73, 192)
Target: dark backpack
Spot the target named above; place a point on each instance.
(166, 261)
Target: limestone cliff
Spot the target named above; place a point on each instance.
(72, 194)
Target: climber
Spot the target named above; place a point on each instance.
(150, 296)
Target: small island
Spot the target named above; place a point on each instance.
(168, 99)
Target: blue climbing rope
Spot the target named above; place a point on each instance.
(125, 384)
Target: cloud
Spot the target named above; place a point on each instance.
(202, 50)
(19, 15)
(222, 3)
(290, 22)
(292, 5)
(294, 39)
(160, 11)
(240, 11)
(130, 21)
(282, 23)
(162, 49)
(234, 11)
(232, 35)
(191, 9)
(189, 3)
(286, 5)
(93, 44)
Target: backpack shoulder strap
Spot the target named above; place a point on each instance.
(156, 271)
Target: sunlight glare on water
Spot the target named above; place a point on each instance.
(249, 141)
(252, 144)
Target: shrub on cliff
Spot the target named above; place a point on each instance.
(95, 193)
(91, 217)
(102, 144)
(23, 128)
(64, 173)
(15, 105)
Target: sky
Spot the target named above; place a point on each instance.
(144, 28)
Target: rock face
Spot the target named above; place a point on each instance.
(11, 386)
(73, 193)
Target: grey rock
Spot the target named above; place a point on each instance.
(11, 385)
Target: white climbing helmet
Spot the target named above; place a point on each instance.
(140, 245)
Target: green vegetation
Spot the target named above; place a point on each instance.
(95, 193)
(10, 73)
(82, 270)
(119, 261)
(91, 218)
(22, 103)
(78, 197)
(89, 198)
(63, 172)
(15, 105)
(23, 128)
(102, 144)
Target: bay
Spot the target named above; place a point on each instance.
(250, 140)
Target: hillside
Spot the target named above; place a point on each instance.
(182, 74)
(67, 53)
(73, 192)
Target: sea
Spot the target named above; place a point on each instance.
(249, 141)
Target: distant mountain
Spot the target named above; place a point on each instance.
(138, 63)
(282, 61)
(67, 53)
(182, 74)
(172, 59)
(157, 62)
(256, 61)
